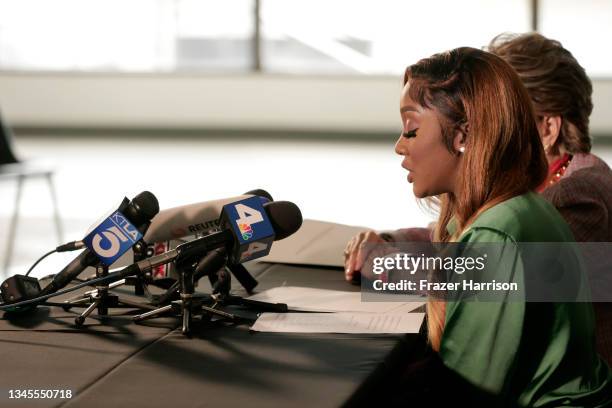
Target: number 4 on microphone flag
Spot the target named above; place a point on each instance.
(113, 237)
(251, 227)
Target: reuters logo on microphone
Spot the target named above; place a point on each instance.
(246, 231)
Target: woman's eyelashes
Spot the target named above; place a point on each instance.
(410, 134)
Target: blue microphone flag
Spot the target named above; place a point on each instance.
(250, 226)
(111, 238)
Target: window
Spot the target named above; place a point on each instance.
(378, 37)
(119, 35)
(584, 28)
(297, 36)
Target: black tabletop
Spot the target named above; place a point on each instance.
(115, 362)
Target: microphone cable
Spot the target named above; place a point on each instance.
(70, 246)
(111, 276)
(38, 261)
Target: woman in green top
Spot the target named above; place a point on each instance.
(469, 139)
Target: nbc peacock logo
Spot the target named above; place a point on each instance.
(246, 231)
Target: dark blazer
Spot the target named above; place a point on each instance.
(584, 197)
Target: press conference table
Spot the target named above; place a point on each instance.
(115, 362)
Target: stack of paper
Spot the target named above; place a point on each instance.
(374, 323)
(325, 300)
(322, 243)
(350, 314)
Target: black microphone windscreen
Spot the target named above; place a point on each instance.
(145, 207)
(260, 193)
(285, 216)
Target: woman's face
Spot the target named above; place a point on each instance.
(432, 168)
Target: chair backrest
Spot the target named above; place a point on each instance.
(6, 144)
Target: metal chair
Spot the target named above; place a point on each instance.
(12, 168)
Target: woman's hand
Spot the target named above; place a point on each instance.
(357, 251)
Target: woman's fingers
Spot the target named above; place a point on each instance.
(350, 255)
(357, 251)
(364, 251)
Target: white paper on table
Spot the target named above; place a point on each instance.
(370, 323)
(325, 300)
(315, 243)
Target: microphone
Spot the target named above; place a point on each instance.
(191, 219)
(122, 229)
(285, 223)
(248, 229)
(284, 217)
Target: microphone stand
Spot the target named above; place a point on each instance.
(222, 295)
(215, 265)
(190, 303)
(100, 298)
(221, 281)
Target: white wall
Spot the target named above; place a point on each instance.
(219, 101)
